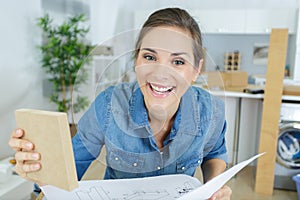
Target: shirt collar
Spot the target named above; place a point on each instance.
(137, 109)
(186, 119)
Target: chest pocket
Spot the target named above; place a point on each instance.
(125, 161)
(188, 165)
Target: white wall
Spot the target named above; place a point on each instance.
(107, 23)
(20, 73)
(115, 16)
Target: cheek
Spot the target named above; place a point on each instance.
(186, 77)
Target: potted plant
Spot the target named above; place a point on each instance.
(65, 51)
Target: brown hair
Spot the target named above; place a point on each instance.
(174, 17)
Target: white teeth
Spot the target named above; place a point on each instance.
(161, 89)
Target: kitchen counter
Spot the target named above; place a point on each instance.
(251, 96)
(223, 93)
(243, 115)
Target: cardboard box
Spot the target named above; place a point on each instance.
(291, 90)
(224, 80)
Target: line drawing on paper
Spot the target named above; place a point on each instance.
(147, 195)
(93, 193)
(98, 193)
(186, 188)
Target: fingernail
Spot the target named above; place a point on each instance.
(18, 132)
(35, 156)
(28, 145)
(36, 166)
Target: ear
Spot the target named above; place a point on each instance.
(197, 70)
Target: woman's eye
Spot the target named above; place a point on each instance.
(150, 58)
(178, 62)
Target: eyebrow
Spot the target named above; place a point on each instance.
(172, 54)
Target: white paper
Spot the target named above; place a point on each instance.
(159, 187)
(208, 189)
(167, 187)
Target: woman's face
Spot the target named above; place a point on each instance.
(165, 68)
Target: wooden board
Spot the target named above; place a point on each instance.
(264, 182)
(50, 134)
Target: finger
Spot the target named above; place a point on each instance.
(22, 169)
(17, 133)
(18, 144)
(32, 167)
(26, 156)
(19, 169)
(223, 194)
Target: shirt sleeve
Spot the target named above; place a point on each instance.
(219, 149)
(89, 139)
(215, 144)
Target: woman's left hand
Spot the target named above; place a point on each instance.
(222, 194)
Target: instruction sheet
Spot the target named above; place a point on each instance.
(167, 187)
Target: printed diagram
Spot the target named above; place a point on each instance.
(92, 193)
(166, 187)
(147, 195)
(95, 193)
(98, 193)
(187, 187)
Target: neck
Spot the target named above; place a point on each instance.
(161, 128)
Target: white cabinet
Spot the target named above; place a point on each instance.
(262, 21)
(237, 21)
(243, 116)
(242, 21)
(296, 71)
(220, 21)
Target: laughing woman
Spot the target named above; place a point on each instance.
(159, 124)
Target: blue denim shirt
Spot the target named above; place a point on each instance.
(118, 119)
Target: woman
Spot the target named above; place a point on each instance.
(159, 124)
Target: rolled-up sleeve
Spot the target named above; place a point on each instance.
(89, 139)
(218, 150)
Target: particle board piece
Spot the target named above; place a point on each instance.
(264, 182)
(50, 134)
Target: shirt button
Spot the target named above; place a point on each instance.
(198, 161)
(116, 158)
(158, 167)
(135, 164)
(182, 168)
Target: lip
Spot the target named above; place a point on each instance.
(160, 91)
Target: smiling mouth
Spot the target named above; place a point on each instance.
(159, 90)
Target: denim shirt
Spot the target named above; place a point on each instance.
(118, 120)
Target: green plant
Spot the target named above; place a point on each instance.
(65, 51)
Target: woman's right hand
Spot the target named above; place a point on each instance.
(26, 158)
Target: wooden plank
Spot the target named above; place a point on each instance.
(50, 134)
(271, 111)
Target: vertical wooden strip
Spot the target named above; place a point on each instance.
(271, 111)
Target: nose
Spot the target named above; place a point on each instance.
(162, 71)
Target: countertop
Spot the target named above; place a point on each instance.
(247, 95)
(251, 96)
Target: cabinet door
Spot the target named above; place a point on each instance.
(220, 21)
(262, 21)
